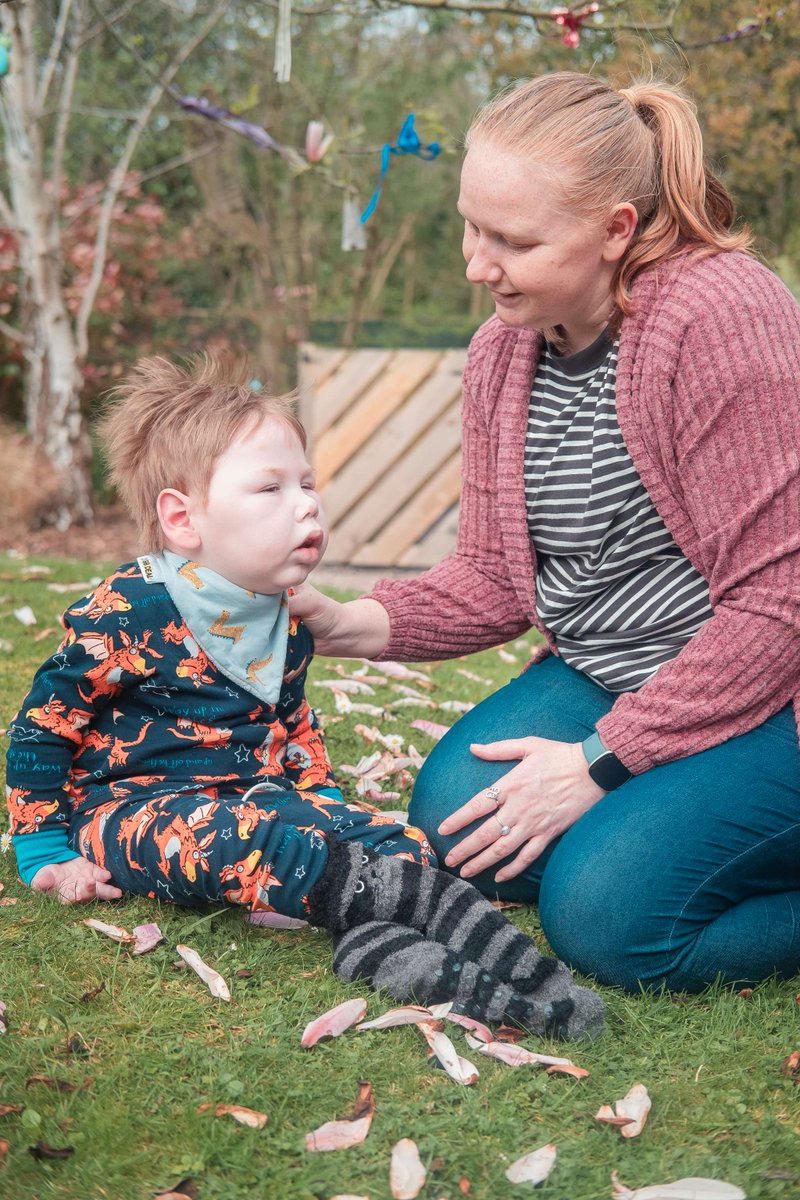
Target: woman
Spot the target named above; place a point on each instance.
(631, 488)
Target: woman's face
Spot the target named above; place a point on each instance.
(543, 266)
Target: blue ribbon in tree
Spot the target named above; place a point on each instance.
(5, 54)
(407, 143)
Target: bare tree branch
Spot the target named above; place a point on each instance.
(64, 114)
(46, 76)
(121, 12)
(117, 177)
(14, 335)
(6, 215)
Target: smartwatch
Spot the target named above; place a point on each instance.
(604, 767)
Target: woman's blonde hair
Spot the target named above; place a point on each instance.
(166, 425)
(640, 145)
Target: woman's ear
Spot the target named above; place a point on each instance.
(175, 517)
(620, 229)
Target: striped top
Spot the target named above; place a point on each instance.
(615, 591)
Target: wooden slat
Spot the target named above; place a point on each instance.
(358, 371)
(399, 482)
(434, 546)
(411, 522)
(405, 373)
(394, 439)
(315, 365)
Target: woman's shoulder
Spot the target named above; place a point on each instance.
(695, 284)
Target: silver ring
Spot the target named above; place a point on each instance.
(505, 830)
(493, 793)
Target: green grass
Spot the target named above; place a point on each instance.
(159, 1045)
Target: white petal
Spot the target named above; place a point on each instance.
(406, 1174)
(534, 1167)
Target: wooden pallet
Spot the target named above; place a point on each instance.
(385, 440)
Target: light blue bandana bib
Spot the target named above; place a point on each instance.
(243, 633)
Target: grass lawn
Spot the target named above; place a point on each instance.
(153, 1045)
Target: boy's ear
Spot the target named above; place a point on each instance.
(175, 518)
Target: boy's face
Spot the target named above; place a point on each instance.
(262, 526)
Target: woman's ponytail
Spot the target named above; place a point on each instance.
(691, 208)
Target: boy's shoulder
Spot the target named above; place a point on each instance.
(124, 590)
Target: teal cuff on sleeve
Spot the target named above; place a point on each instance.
(333, 793)
(42, 849)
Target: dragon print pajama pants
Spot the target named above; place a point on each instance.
(263, 848)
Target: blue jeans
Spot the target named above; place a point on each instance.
(686, 874)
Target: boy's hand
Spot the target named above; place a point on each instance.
(75, 882)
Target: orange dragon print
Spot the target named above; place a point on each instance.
(194, 668)
(27, 815)
(54, 716)
(254, 881)
(180, 837)
(208, 736)
(104, 601)
(121, 749)
(248, 816)
(113, 664)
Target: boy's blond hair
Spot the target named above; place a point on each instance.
(166, 426)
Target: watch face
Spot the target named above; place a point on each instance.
(608, 772)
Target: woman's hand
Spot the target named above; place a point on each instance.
(75, 882)
(359, 629)
(537, 800)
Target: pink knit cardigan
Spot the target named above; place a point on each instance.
(708, 401)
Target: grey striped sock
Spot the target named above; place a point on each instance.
(360, 886)
(411, 968)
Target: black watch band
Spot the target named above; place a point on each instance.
(604, 767)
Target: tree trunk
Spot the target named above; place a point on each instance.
(53, 386)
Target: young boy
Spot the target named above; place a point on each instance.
(167, 748)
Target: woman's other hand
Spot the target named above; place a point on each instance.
(358, 629)
(537, 800)
(75, 882)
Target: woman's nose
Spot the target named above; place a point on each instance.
(481, 266)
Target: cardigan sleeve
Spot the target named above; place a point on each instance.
(467, 602)
(733, 407)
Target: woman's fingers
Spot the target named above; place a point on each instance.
(479, 806)
(527, 856)
(502, 751)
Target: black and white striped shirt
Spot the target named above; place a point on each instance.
(612, 586)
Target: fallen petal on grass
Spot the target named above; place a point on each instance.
(411, 1014)
(3, 1018)
(635, 1104)
(348, 1131)
(93, 992)
(184, 1189)
(25, 615)
(458, 1068)
(57, 1085)
(330, 1024)
(791, 1067)
(44, 1151)
(432, 728)
(11, 1110)
(211, 978)
(694, 1188)
(114, 932)
(273, 920)
(482, 1032)
(515, 1055)
(147, 937)
(245, 1116)
(3, 1149)
(534, 1167)
(606, 1116)
(568, 1069)
(406, 1173)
